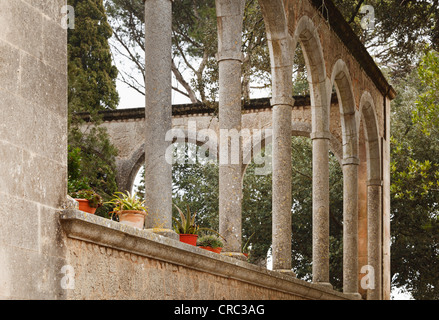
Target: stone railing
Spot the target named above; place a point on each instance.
(114, 261)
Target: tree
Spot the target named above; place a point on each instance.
(92, 77)
(195, 44)
(91, 88)
(415, 182)
(402, 29)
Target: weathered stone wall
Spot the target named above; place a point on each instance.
(33, 142)
(104, 273)
(113, 261)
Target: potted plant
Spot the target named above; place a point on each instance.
(211, 243)
(88, 200)
(186, 227)
(129, 209)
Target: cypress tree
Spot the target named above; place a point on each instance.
(92, 88)
(92, 75)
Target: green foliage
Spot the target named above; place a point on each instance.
(415, 184)
(91, 88)
(197, 185)
(195, 44)
(92, 163)
(427, 104)
(126, 201)
(210, 241)
(402, 29)
(186, 225)
(91, 75)
(76, 181)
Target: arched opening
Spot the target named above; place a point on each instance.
(257, 206)
(306, 34)
(371, 194)
(345, 120)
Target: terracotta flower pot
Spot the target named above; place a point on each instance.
(132, 218)
(216, 250)
(85, 206)
(189, 239)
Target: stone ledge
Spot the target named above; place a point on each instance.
(90, 228)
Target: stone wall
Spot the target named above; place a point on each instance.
(109, 260)
(33, 142)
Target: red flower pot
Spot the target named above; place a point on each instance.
(85, 206)
(216, 250)
(189, 239)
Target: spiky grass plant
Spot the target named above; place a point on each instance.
(126, 201)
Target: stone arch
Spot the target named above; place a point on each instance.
(280, 45)
(129, 168)
(299, 128)
(372, 192)
(341, 80)
(306, 34)
(368, 117)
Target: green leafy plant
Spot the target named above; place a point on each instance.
(94, 199)
(187, 225)
(126, 201)
(210, 241)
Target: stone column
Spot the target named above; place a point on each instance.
(230, 19)
(281, 243)
(374, 232)
(158, 115)
(350, 226)
(320, 220)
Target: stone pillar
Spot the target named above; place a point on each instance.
(230, 19)
(281, 243)
(158, 115)
(350, 226)
(362, 210)
(320, 197)
(374, 233)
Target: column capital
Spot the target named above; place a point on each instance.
(320, 135)
(229, 55)
(282, 101)
(350, 161)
